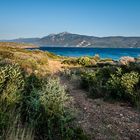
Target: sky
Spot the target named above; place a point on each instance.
(38, 18)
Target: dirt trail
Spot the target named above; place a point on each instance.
(102, 120)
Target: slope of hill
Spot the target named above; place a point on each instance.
(17, 45)
(66, 39)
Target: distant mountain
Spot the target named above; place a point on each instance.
(66, 39)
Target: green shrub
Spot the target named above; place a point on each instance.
(44, 108)
(11, 85)
(113, 85)
(112, 82)
(30, 104)
(70, 61)
(132, 67)
(128, 81)
(53, 97)
(105, 62)
(7, 117)
(85, 61)
(123, 86)
(93, 82)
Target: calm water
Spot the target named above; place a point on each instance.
(114, 53)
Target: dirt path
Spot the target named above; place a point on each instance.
(103, 120)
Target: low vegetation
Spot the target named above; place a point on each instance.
(34, 108)
(17, 45)
(34, 105)
(110, 82)
(87, 61)
(32, 61)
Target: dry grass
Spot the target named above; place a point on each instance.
(17, 45)
(55, 66)
(30, 61)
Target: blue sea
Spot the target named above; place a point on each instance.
(114, 53)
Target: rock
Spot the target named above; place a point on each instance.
(126, 60)
(121, 115)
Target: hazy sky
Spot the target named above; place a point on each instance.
(37, 18)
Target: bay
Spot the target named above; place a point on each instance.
(114, 53)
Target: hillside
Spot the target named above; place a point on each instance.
(66, 39)
(85, 98)
(17, 45)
